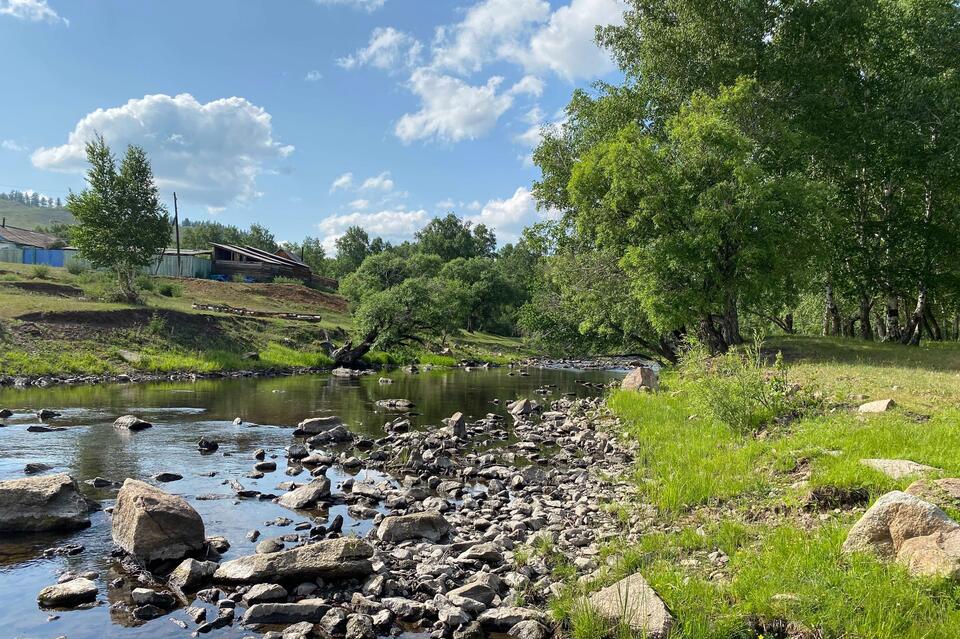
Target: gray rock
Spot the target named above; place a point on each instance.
(360, 627)
(262, 593)
(70, 593)
(36, 467)
(153, 525)
(342, 558)
(529, 629)
(268, 546)
(131, 423)
(309, 610)
(476, 591)
(429, 525)
(302, 630)
(404, 609)
(893, 519)
(643, 377)
(898, 468)
(306, 496)
(317, 425)
(487, 553)
(150, 597)
(878, 406)
(334, 623)
(504, 618)
(633, 602)
(191, 574)
(35, 504)
(166, 478)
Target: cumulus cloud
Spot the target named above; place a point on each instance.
(566, 45)
(31, 10)
(380, 182)
(392, 225)
(313, 76)
(209, 153)
(388, 49)
(11, 145)
(528, 85)
(359, 205)
(366, 5)
(508, 217)
(345, 181)
(452, 110)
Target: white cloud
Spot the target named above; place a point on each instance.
(489, 31)
(392, 224)
(567, 45)
(313, 76)
(366, 5)
(11, 145)
(508, 217)
(446, 205)
(388, 49)
(360, 205)
(31, 10)
(209, 153)
(528, 85)
(452, 110)
(380, 182)
(345, 181)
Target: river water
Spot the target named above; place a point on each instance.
(90, 447)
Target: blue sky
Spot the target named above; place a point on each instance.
(303, 115)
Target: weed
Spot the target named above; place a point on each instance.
(169, 289)
(76, 268)
(40, 272)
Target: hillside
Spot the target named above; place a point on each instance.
(30, 217)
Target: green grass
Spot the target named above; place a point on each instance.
(273, 356)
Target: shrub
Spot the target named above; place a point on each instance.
(40, 272)
(238, 278)
(737, 388)
(144, 282)
(280, 279)
(169, 289)
(157, 325)
(76, 268)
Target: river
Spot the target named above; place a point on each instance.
(90, 447)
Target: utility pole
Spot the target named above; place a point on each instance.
(176, 224)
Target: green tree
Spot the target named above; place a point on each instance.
(121, 223)
(352, 248)
(450, 238)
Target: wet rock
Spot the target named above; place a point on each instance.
(297, 451)
(191, 574)
(197, 614)
(520, 407)
(263, 593)
(166, 478)
(36, 467)
(472, 630)
(224, 618)
(48, 502)
(632, 602)
(309, 610)
(5, 413)
(342, 558)
(429, 525)
(643, 377)
(898, 468)
(382, 380)
(335, 435)
(306, 496)
(268, 546)
(70, 593)
(207, 445)
(150, 597)
(46, 413)
(147, 612)
(131, 423)
(219, 543)
(153, 525)
(100, 482)
(396, 404)
(265, 466)
(317, 425)
(878, 406)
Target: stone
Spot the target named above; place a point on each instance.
(893, 519)
(46, 413)
(207, 445)
(146, 612)
(150, 597)
(529, 629)
(69, 593)
(306, 496)
(458, 425)
(302, 630)
(360, 627)
(898, 468)
(504, 618)
(36, 467)
(520, 407)
(476, 591)
(309, 610)
(342, 558)
(633, 602)
(153, 525)
(404, 609)
(942, 492)
(487, 553)
(936, 555)
(191, 574)
(878, 406)
(262, 593)
(429, 525)
(334, 623)
(5, 413)
(48, 502)
(317, 425)
(131, 423)
(643, 377)
(166, 478)
(268, 546)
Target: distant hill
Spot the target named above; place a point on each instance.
(30, 217)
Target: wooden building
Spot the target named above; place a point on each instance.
(260, 266)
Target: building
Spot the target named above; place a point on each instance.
(13, 237)
(260, 266)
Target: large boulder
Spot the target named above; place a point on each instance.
(936, 555)
(153, 525)
(69, 593)
(892, 520)
(633, 602)
(131, 422)
(643, 377)
(317, 425)
(310, 610)
(191, 574)
(428, 525)
(942, 492)
(306, 496)
(48, 502)
(342, 558)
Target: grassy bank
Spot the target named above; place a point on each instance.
(747, 525)
(54, 322)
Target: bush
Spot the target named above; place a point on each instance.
(280, 279)
(737, 388)
(76, 268)
(144, 282)
(238, 278)
(158, 325)
(169, 289)
(40, 272)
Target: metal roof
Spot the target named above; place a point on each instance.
(24, 237)
(260, 256)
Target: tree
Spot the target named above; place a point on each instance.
(121, 223)
(450, 238)
(352, 248)
(312, 253)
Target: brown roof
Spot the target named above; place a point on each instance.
(23, 237)
(258, 255)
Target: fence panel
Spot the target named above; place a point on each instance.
(11, 254)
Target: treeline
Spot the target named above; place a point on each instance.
(771, 163)
(451, 277)
(31, 199)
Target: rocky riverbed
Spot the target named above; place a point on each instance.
(453, 517)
